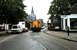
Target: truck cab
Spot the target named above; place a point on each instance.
(35, 25)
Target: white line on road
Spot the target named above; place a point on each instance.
(7, 38)
(56, 43)
(36, 36)
(41, 45)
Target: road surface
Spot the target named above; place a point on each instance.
(32, 41)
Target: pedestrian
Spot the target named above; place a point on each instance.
(68, 30)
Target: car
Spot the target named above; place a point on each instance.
(16, 29)
(57, 27)
(43, 27)
(25, 29)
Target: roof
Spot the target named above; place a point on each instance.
(73, 9)
(32, 11)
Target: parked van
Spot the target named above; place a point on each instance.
(16, 29)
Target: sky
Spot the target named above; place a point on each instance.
(40, 7)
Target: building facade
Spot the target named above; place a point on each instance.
(70, 20)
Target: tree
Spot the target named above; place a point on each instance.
(60, 7)
(72, 2)
(11, 11)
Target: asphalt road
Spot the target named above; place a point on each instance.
(30, 41)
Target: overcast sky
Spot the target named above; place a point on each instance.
(40, 7)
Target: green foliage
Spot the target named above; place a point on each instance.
(60, 7)
(11, 11)
(72, 2)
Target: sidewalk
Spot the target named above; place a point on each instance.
(2, 32)
(63, 35)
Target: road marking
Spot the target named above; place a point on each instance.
(36, 36)
(57, 43)
(7, 38)
(41, 45)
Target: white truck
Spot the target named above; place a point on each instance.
(16, 29)
(20, 27)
